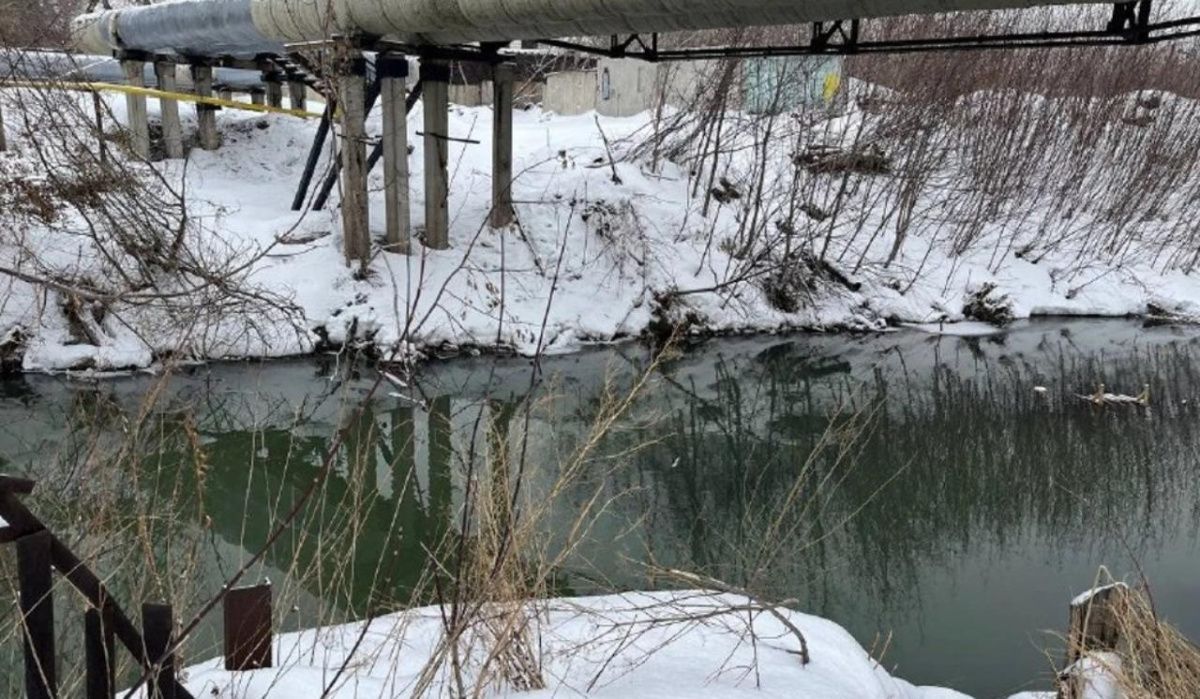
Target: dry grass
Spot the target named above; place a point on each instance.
(1151, 659)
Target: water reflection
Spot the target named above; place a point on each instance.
(944, 499)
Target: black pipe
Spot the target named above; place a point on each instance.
(335, 171)
(314, 155)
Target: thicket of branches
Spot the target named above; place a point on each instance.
(1082, 156)
(113, 245)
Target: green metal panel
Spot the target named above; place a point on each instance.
(783, 83)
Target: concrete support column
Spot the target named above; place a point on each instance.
(258, 96)
(206, 114)
(225, 94)
(298, 94)
(502, 145)
(435, 79)
(274, 86)
(352, 96)
(172, 128)
(134, 68)
(393, 74)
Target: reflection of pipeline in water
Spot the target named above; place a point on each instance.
(351, 547)
(361, 546)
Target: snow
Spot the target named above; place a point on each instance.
(630, 646)
(962, 329)
(1094, 676)
(1086, 596)
(586, 265)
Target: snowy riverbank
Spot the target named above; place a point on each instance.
(596, 258)
(640, 645)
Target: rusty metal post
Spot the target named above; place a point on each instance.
(248, 628)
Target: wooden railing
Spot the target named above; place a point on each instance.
(40, 554)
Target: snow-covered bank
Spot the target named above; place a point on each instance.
(596, 257)
(640, 645)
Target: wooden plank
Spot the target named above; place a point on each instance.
(248, 628)
(37, 614)
(83, 580)
(1094, 621)
(158, 625)
(100, 650)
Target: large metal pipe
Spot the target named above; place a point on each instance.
(188, 27)
(453, 21)
(217, 27)
(54, 66)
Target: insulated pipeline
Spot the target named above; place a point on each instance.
(56, 67)
(187, 27)
(240, 27)
(455, 21)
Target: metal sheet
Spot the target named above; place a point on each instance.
(248, 628)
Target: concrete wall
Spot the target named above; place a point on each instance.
(570, 92)
(625, 86)
(471, 95)
(683, 82)
(529, 93)
(622, 87)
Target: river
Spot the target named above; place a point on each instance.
(948, 508)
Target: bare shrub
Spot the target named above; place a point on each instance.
(987, 156)
(158, 276)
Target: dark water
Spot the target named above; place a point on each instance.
(947, 511)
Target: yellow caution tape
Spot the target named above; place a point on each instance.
(160, 94)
